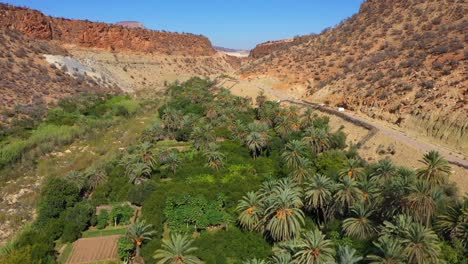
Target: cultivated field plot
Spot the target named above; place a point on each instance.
(94, 249)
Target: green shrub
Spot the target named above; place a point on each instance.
(138, 193)
(76, 220)
(121, 214)
(102, 219)
(125, 248)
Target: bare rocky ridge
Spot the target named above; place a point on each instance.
(400, 61)
(101, 35)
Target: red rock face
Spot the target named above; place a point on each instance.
(101, 35)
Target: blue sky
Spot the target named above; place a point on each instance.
(228, 23)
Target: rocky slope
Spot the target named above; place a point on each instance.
(131, 24)
(401, 61)
(29, 84)
(269, 47)
(101, 35)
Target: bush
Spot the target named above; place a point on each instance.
(102, 219)
(76, 220)
(138, 193)
(125, 248)
(56, 196)
(121, 214)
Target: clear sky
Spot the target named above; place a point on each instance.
(228, 23)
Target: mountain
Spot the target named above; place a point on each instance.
(101, 35)
(131, 24)
(233, 52)
(402, 61)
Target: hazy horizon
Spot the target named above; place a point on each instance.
(238, 25)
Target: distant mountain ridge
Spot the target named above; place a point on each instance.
(101, 35)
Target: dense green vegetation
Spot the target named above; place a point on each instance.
(222, 182)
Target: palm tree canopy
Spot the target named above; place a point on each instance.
(313, 248)
(176, 250)
(436, 169)
(347, 255)
(360, 226)
(139, 232)
(421, 244)
(318, 191)
(389, 251)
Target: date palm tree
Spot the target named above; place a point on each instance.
(139, 232)
(302, 171)
(137, 172)
(389, 251)
(254, 261)
(313, 248)
(251, 211)
(173, 161)
(292, 154)
(352, 169)
(454, 222)
(176, 250)
(360, 226)
(307, 118)
(282, 258)
(319, 194)
(385, 171)
(284, 126)
(421, 244)
(347, 255)
(422, 201)
(317, 139)
(172, 120)
(284, 216)
(214, 157)
(202, 135)
(347, 194)
(436, 169)
(257, 138)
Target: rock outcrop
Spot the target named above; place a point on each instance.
(89, 34)
(131, 24)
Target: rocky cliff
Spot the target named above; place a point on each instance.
(402, 61)
(88, 34)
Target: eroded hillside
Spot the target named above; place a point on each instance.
(101, 35)
(400, 61)
(29, 84)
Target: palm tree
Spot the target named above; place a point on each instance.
(360, 226)
(318, 194)
(302, 171)
(137, 172)
(317, 139)
(421, 244)
(347, 255)
(436, 170)
(79, 179)
(172, 120)
(257, 138)
(138, 232)
(389, 251)
(422, 201)
(145, 154)
(293, 152)
(173, 161)
(284, 126)
(282, 258)
(369, 188)
(95, 178)
(214, 157)
(454, 222)
(313, 248)
(307, 118)
(202, 135)
(348, 194)
(352, 169)
(284, 216)
(251, 211)
(254, 261)
(385, 171)
(176, 250)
